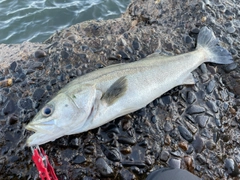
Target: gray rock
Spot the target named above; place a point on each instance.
(104, 169)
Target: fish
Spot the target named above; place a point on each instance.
(103, 95)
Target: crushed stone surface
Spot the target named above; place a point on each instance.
(196, 128)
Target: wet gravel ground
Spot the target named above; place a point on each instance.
(190, 127)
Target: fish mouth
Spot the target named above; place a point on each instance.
(41, 126)
(40, 138)
(30, 128)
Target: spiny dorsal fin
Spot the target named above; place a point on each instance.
(115, 91)
(114, 65)
(158, 55)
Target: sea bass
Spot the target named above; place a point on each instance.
(105, 94)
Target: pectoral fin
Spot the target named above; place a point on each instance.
(189, 79)
(115, 91)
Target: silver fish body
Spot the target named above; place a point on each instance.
(103, 95)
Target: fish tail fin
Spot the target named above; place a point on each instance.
(216, 54)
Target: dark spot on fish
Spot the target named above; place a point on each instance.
(74, 96)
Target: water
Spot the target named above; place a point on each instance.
(35, 21)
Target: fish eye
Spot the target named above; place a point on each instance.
(47, 111)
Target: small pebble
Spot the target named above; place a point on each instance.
(89, 149)
(168, 126)
(212, 105)
(103, 167)
(6, 82)
(231, 167)
(127, 140)
(26, 103)
(198, 144)
(125, 174)
(202, 120)
(218, 122)
(203, 68)
(13, 120)
(164, 155)
(201, 159)
(13, 66)
(229, 27)
(123, 55)
(75, 143)
(210, 145)
(191, 127)
(191, 97)
(174, 163)
(210, 86)
(229, 13)
(64, 54)
(136, 44)
(112, 154)
(40, 54)
(177, 153)
(189, 162)
(78, 159)
(183, 145)
(195, 109)
(185, 133)
(38, 93)
(126, 150)
(10, 107)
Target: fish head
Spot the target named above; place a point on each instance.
(69, 112)
(57, 118)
